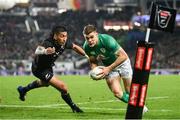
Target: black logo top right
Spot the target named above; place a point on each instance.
(162, 18)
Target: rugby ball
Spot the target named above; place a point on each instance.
(94, 73)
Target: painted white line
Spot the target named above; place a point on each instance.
(155, 98)
(97, 102)
(109, 101)
(28, 106)
(84, 108)
(56, 105)
(82, 103)
(162, 110)
(117, 109)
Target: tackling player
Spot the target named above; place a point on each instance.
(46, 55)
(105, 49)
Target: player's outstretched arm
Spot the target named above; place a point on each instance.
(79, 50)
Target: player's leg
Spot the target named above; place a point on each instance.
(114, 85)
(62, 87)
(43, 75)
(126, 74)
(127, 84)
(35, 84)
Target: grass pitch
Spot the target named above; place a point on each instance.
(94, 97)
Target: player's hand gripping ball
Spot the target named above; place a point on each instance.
(95, 73)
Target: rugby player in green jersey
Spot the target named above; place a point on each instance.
(104, 49)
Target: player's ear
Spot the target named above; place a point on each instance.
(55, 37)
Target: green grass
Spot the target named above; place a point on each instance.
(93, 97)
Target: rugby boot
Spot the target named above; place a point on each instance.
(76, 109)
(22, 93)
(145, 109)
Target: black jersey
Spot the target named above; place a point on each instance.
(46, 61)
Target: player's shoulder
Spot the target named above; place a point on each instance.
(104, 36)
(47, 42)
(106, 39)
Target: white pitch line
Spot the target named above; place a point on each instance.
(155, 98)
(28, 106)
(97, 102)
(109, 101)
(82, 103)
(116, 109)
(56, 105)
(84, 108)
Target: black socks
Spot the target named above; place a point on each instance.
(67, 98)
(32, 85)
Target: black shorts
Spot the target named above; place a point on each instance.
(44, 74)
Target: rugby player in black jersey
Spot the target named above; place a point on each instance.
(45, 56)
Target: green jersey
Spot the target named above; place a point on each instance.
(105, 50)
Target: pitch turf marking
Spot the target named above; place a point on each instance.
(84, 108)
(82, 103)
(155, 98)
(55, 106)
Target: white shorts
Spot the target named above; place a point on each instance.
(124, 70)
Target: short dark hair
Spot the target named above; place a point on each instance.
(88, 29)
(58, 29)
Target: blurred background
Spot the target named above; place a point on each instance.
(26, 23)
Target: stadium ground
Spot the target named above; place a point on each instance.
(92, 96)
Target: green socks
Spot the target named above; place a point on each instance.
(125, 97)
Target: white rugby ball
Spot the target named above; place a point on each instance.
(94, 73)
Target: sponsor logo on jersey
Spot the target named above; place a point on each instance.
(47, 76)
(101, 57)
(92, 53)
(62, 47)
(57, 53)
(103, 50)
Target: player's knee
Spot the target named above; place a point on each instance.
(45, 84)
(63, 87)
(63, 92)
